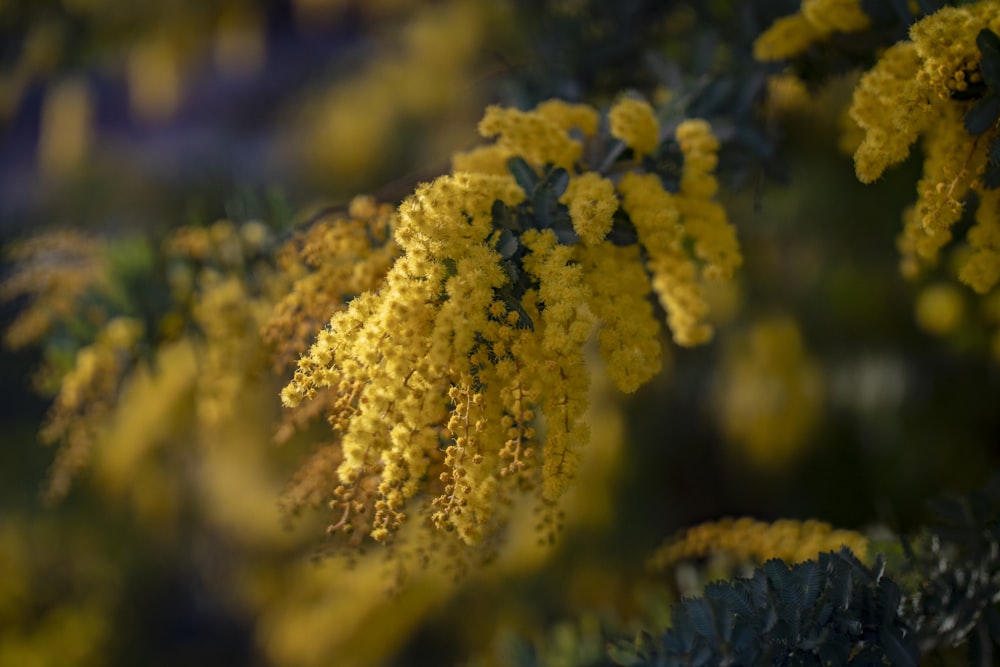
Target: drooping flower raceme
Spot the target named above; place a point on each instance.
(463, 376)
(792, 35)
(928, 88)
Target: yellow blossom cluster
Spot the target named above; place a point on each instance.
(939, 309)
(816, 20)
(530, 134)
(230, 300)
(655, 215)
(704, 219)
(592, 203)
(395, 355)
(770, 394)
(551, 123)
(54, 270)
(338, 257)
(634, 122)
(462, 373)
(87, 394)
(757, 541)
(916, 90)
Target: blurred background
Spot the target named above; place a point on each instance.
(834, 389)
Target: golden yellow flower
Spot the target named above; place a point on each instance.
(634, 122)
(569, 116)
(792, 35)
(770, 394)
(758, 541)
(654, 213)
(916, 90)
(592, 202)
(532, 135)
(629, 332)
(462, 375)
(705, 220)
(86, 397)
(981, 270)
(939, 309)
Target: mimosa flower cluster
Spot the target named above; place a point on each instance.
(221, 285)
(54, 270)
(792, 35)
(87, 396)
(462, 377)
(930, 89)
(757, 541)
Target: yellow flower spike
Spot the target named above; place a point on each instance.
(397, 352)
(634, 122)
(981, 270)
(939, 309)
(566, 323)
(86, 397)
(757, 541)
(570, 116)
(592, 204)
(770, 394)
(952, 165)
(946, 43)
(889, 110)
(491, 159)
(629, 332)
(792, 35)
(829, 16)
(656, 218)
(911, 93)
(532, 135)
(705, 220)
(787, 37)
(54, 270)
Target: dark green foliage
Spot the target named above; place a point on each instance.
(833, 611)
(837, 611)
(956, 563)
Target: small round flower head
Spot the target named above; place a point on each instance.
(981, 270)
(634, 122)
(569, 116)
(532, 135)
(888, 111)
(592, 202)
(792, 35)
(655, 215)
(705, 220)
(939, 308)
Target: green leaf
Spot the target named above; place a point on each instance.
(887, 598)
(983, 115)
(700, 612)
(523, 174)
(623, 232)
(994, 153)
(559, 178)
(735, 598)
(980, 647)
(507, 244)
(992, 621)
(503, 217)
(991, 180)
(989, 64)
